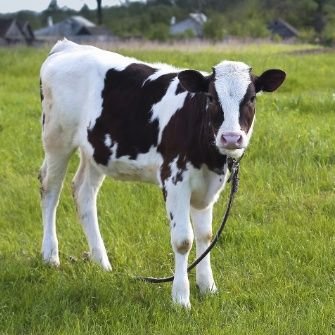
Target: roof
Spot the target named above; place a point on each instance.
(82, 21)
(199, 17)
(72, 26)
(26, 30)
(283, 28)
(14, 30)
(4, 26)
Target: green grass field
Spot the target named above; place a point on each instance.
(275, 264)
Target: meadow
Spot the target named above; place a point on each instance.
(275, 263)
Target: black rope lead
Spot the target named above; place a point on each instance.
(234, 179)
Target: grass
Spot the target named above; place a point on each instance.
(275, 264)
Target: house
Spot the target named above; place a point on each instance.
(13, 31)
(193, 24)
(283, 29)
(76, 28)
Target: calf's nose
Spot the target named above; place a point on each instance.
(231, 140)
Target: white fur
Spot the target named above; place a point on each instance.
(164, 109)
(72, 82)
(231, 82)
(161, 70)
(108, 140)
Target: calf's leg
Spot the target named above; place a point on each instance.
(51, 177)
(178, 209)
(202, 224)
(86, 185)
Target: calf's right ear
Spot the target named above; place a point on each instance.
(269, 80)
(193, 81)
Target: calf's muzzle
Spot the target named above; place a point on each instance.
(231, 140)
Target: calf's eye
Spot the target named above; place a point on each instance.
(252, 99)
(209, 98)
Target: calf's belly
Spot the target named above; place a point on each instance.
(129, 170)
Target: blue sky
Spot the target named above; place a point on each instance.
(10, 6)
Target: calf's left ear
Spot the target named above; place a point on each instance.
(193, 81)
(269, 80)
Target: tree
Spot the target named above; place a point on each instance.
(320, 17)
(214, 27)
(53, 5)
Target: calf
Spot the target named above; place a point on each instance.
(131, 120)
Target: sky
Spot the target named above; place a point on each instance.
(10, 6)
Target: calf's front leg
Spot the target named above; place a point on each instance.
(178, 209)
(202, 224)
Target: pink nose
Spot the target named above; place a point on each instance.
(231, 140)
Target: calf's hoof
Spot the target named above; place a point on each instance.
(101, 258)
(181, 294)
(51, 259)
(181, 302)
(211, 289)
(206, 285)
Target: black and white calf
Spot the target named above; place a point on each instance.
(152, 122)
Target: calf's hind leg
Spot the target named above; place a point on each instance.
(51, 177)
(86, 185)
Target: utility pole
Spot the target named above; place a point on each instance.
(99, 12)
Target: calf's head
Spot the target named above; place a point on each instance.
(231, 97)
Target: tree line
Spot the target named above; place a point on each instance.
(314, 19)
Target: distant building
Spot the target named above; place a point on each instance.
(75, 28)
(283, 29)
(12, 31)
(193, 24)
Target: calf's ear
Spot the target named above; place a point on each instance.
(269, 80)
(193, 81)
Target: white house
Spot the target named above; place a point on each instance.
(193, 24)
